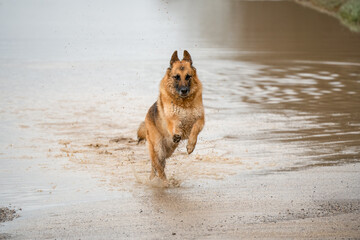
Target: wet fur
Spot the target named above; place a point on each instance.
(174, 116)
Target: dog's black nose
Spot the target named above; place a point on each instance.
(184, 91)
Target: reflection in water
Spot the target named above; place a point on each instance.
(273, 29)
(307, 72)
(281, 91)
(325, 95)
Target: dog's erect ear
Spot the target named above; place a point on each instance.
(174, 58)
(187, 57)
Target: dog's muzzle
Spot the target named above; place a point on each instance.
(184, 91)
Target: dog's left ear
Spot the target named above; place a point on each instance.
(187, 57)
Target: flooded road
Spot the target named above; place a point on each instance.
(281, 94)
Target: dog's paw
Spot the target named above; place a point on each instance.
(190, 148)
(176, 138)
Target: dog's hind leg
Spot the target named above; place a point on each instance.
(157, 161)
(153, 172)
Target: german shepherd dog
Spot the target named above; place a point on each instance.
(178, 114)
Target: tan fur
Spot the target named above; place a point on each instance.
(174, 117)
(141, 133)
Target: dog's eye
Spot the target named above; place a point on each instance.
(177, 77)
(187, 77)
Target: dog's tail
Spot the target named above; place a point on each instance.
(141, 132)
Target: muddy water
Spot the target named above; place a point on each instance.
(281, 93)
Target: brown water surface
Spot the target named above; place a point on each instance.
(281, 92)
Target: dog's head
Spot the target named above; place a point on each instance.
(181, 76)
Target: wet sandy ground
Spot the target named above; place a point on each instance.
(312, 204)
(278, 156)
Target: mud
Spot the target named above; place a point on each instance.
(7, 214)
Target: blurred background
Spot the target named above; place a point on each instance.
(281, 92)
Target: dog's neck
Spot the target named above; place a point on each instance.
(176, 100)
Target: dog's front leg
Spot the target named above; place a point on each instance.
(173, 126)
(195, 130)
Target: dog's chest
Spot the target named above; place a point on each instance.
(186, 116)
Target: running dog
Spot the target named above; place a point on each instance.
(178, 114)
